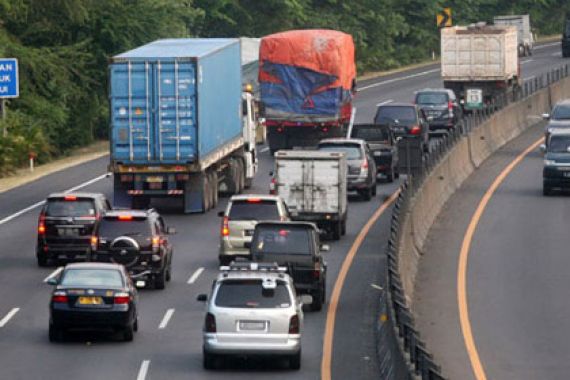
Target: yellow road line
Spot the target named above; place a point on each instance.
(476, 364)
(333, 303)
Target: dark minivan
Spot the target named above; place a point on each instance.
(440, 107)
(382, 144)
(406, 120)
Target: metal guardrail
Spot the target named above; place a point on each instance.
(411, 358)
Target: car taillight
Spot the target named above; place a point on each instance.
(59, 297)
(364, 164)
(273, 187)
(155, 243)
(70, 198)
(294, 327)
(450, 106)
(121, 298)
(225, 226)
(316, 274)
(416, 130)
(210, 323)
(94, 241)
(41, 225)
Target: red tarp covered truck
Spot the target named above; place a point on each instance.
(307, 81)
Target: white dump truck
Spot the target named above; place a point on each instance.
(524, 33)
(313, 185)
(480, 62)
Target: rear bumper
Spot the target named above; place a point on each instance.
(438, 124)
(55, 250)
(138, 270)
(358, 183)
(558, 182)
(92, 319)
(252, 344)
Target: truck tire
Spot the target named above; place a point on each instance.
(390, 175)
(241, 175)
(336, 228)
(211, 188)
(343, 227)
(317, 304)
(215, 189)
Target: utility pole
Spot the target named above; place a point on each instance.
(3, 113)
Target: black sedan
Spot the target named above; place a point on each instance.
(93, 296)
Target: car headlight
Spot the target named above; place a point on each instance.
(549, 162)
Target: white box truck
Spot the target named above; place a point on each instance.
(313, 185)
(524, 33)
(479, 62)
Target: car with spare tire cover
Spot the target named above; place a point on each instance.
(137, 239)
(296, 246)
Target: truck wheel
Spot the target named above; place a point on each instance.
(215, 189)
(396, 173)
(317, 304)
(205, 194)
(343, 227)
(241, 175)
(336, 230)
(390, 175)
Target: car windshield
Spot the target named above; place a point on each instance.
(254, 209)
(73, 208)
(251, 294)
(559, 144)
(282, 240)
(370, 133)
(395, 114)
(431, 98)
(561, 112)
(352, 151)
(112, 228)
(102, 278)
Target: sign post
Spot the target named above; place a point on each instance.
(9, 86)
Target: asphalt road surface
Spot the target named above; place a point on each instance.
(174, 351)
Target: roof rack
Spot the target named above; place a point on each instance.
(253, 266)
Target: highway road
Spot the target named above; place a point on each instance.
(168, 344)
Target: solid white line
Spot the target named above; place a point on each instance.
(143, 370)
(546, 45)
(53, 274)
(195, 276)
(398, 79)
(8, 316)
(527, 61)
(38, 204)
(166, 318)
(384, 102)
(263, 150)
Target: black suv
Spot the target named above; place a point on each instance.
(138, 239)
(294, 245)
(406, 120)
(382, 144)
(65, 225)
(440, 107)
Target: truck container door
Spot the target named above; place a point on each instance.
(325, 186)
(291, 184)
(131, 106)
(175, 98)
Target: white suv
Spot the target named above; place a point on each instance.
(239, 220)
(253, 310)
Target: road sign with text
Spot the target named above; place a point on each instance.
(443, 18)
(9, 78)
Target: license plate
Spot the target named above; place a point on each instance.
(399, 130)
(154, 179)
(68, 231)
(474, 97)
(248, 232)
(251, 325)
(90, 301)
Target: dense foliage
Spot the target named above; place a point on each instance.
(63, 47)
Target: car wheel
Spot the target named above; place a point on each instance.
(128, 334)
(336, 230)
(366, 194)
(209, 360)
(42, 259)
(546, 190)
(169, 271)
(55, 334)
(373, 189)
(160, 279)
(225, 260)
(136, 324)
(295, 361)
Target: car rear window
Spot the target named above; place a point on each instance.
(112, 228)
(559, 144)
(282, 240)
(387, 114)
(254, 210)
(561, 112)
(74, 208)
(432, 98)
(353, 152)
(371, 133)
(92, 278)
(251, 294)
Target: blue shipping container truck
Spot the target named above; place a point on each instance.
(180, 123)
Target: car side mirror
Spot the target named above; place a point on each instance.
(170, 230)
(221, 214)
(52, 281)
(202, 298)
(546, 116)
(325, 248)
(543, 148)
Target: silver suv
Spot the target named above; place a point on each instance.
(239, 220)
(253, 310)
